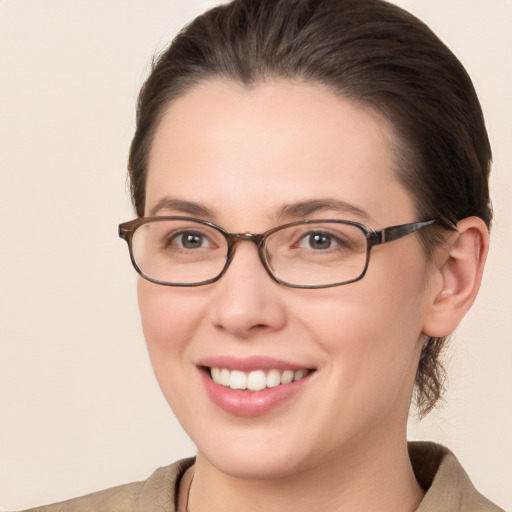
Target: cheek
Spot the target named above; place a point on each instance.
(365, 329)
(169, 319)
(166, 313)
(372, 331)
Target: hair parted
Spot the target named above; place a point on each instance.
(368, 51)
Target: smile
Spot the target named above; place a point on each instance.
(255, 385)
(255, 380)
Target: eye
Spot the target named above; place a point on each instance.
(189, 240)
(319, 241)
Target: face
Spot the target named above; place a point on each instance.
(249, 160)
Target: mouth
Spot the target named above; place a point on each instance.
(255, 380)
(252, 386)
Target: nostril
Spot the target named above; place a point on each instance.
(258, 327)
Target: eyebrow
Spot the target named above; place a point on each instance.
(300, 209)
(304, 209)
(180, 205)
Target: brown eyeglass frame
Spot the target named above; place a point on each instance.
(373, 238)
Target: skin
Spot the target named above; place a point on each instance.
(340, 442)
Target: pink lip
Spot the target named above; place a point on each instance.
(250, 403)
(248, 364)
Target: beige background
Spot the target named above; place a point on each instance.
(79, 408)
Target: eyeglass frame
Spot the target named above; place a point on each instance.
(373, 238)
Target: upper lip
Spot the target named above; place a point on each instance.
(248, 364)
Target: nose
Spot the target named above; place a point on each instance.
(247, 301)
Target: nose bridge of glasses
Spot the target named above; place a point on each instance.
(257, 239)
(245, 237)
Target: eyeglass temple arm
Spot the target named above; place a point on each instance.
(125, 229)
(123, 233)
(396, 232)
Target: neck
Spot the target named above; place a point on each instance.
(379, 479)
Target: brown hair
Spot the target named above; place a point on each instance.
(368, 51)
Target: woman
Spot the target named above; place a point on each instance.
(310, 180)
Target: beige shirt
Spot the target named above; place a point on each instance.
(448, 488)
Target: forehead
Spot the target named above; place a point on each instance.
(280, 141)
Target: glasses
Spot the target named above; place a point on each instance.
(183, 251)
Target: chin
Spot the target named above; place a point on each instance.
(254, 464)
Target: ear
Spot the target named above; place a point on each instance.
(459, 267)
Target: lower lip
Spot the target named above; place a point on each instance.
(251, 403)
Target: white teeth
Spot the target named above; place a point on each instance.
(255, 380)
(299, 374)
(224, 377)
(216, 374)
(273, 378)
(287, 377)
(238, 380)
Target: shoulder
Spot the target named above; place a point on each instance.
(157, 493)
(447, 485)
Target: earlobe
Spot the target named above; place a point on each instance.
(460, 266)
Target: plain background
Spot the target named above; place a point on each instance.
(79, 407)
